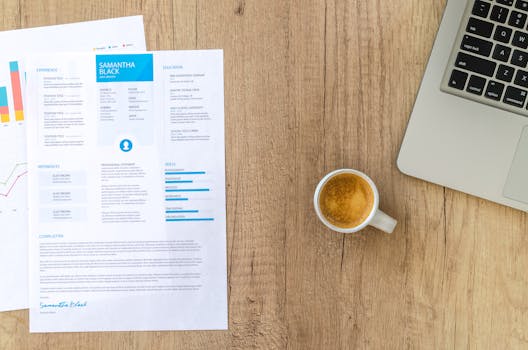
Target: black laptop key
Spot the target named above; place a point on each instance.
(476, 45)
(501, 53)
(502, 34)
(499, 14)
(494, 90)
(505, 2)
(479, 27)
(505, 73)
(519, 58)
(481, 8)
(521, 78)
(475, 64)
(476, 85)
(522, 4)
(515, 97)
(517, 19)
(520, 39)
(458, 79)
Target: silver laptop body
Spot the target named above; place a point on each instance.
(469, 127)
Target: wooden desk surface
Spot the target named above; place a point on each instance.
(311, 86)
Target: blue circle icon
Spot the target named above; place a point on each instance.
(125, 145)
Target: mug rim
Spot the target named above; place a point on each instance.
(372, 213)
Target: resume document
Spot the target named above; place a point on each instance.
(127, 222)
(118, 34)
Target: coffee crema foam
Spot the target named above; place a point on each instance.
(346, 200)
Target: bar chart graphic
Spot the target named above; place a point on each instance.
(15, 106)
(4, 108)
(188, 196)
(17, 90)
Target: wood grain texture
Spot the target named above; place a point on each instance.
(311, 86)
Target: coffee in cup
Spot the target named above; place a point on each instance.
(346, 200)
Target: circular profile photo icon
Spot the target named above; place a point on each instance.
(125, 145)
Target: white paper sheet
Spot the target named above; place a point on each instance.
(120, 34)
(127, 192)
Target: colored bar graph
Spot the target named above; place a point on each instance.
(184, 172)
(17, 91)
(4, 109)
(193, 219)
(188, 190)
(187, 195)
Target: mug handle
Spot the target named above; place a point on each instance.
(383, 222)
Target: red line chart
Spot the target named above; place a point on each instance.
(13, 185)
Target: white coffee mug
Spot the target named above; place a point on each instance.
(376, 217)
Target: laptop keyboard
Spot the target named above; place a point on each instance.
(490, 58)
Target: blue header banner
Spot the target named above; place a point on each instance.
(122, 68)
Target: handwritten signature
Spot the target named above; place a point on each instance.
(64, 304)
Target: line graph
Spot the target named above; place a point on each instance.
(14, 174)
(15, 167)
(13, 185)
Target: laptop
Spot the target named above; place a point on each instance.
(469, 126)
